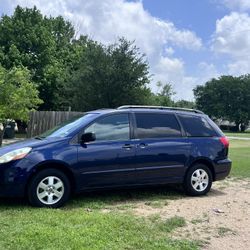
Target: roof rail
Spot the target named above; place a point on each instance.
(159, 107)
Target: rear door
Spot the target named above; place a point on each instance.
(161, 152)
(108, 161)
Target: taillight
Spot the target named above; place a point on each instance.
(224, 140)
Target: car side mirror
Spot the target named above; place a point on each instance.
(88, 137)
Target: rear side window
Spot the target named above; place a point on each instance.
(196, 126)
(151, 125)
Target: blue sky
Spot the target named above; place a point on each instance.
(197, 15)
(187, 42)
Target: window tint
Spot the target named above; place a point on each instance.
(157, 125)
(113, 127)
(196, 126)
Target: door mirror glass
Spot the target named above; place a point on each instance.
(88, 137)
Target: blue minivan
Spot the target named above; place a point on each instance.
(109, 148)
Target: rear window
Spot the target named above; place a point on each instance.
(151, 125)
(196, 126)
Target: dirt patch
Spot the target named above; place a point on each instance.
(219, 220)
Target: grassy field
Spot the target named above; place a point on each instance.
(103, 220)
(27, 228)
(239, 153)
(84, 224)
(240, 134)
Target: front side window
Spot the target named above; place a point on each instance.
(112, 127)
(65, 128)
(151, 125)
(196, 126)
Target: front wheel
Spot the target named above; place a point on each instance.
(49, 188)
(198, 180)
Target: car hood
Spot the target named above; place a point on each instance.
(33, 143)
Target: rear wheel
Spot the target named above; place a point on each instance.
(198, 180)
(49, 188)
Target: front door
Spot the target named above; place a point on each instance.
(108, 161)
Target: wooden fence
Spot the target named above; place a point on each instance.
(41, 121)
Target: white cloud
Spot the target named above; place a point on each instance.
(240, 67)
(232, 35)
(205, 72)
(240, 5)
(106, 20)
(232, 38)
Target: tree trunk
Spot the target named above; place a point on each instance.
(237, 127)
(242, 127)
(2, 134)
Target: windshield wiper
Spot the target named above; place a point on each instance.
(39, 138)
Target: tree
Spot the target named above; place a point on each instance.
(106, 76)
(226, 98)
(18, 95)
(164, 96)
(185, 104)
(42, 45)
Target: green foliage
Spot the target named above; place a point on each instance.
(72, 72)
(226, 98)
(18, 95)
(77, 72)
(164, 96)
(185, 104)
(39, 43)
(106, 76)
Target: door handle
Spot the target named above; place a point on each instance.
(142, 145)
(127, 146)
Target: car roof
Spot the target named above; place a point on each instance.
(149, 109)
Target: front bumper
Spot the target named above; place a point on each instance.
(13, 178)
(222, 169)
(12, 190)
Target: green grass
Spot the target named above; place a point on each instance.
(77, 229)
(172, 223)
(239, 134)
(239, 153)
(82, 224)
(21, 136)
(222, 231)
(125, 199)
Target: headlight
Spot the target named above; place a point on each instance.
(15, 155)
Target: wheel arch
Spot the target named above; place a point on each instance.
(204, 161)
(61, 166)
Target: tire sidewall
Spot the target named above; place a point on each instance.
(32, 188)
(187, 182)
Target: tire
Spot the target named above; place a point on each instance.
(198, 180)
(49, 188)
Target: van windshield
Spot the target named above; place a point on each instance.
(65, 128)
